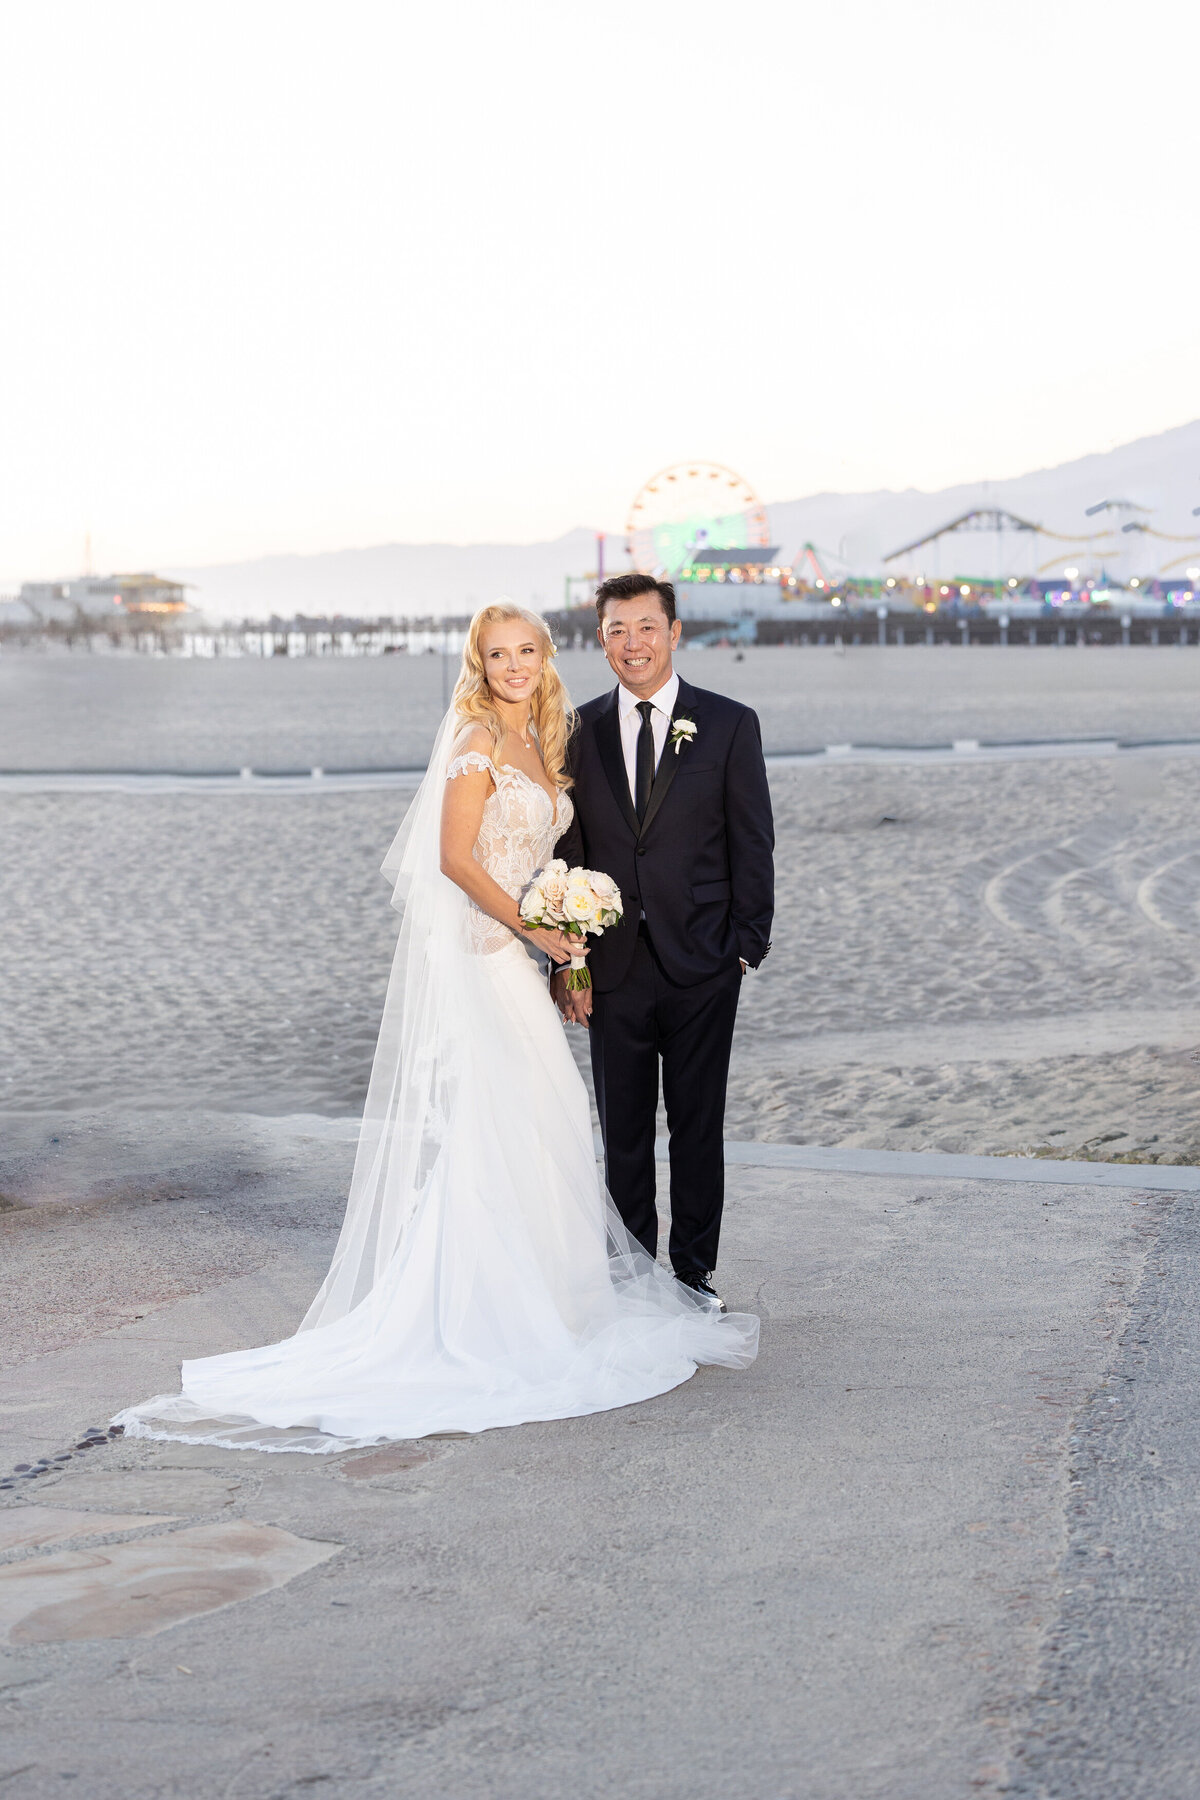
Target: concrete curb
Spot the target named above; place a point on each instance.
(1164, 1177)
(932, 1165)
(307, 781)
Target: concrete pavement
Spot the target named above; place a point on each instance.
(849, 1571)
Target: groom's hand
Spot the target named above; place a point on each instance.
(575, 1004)
(579, 1007)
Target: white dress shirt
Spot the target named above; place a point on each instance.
(663, 704)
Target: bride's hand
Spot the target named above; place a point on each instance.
(556, 944)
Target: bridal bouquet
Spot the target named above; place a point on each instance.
(579, 902)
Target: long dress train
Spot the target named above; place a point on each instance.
(482, 1276)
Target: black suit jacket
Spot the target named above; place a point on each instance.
(701, 865)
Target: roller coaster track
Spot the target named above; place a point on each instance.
(992, 518)
(1168, 537)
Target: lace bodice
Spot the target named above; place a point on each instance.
(521, 825)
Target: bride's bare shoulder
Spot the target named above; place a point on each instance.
(472, 736)
(471, 751)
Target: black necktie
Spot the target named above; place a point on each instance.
(643, 779)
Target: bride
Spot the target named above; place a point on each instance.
(482, 1277)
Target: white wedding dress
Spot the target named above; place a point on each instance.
(482, 1276)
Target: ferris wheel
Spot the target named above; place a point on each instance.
(687, 509)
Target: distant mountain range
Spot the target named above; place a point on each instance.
(854, 531)
(393, 580)
(1160, 474)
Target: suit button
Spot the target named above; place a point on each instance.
(641, 849)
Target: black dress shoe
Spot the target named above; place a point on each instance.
(700, 1283)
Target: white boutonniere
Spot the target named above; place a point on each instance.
(682, 732)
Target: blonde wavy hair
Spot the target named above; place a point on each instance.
(551, 712)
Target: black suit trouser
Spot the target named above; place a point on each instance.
(691, 1028)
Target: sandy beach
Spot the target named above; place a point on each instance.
(978, 957)
(999, 959)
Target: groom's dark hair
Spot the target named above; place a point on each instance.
(628, 587)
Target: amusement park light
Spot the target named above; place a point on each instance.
(965, 588)
(945, 590)
(1071, 574)
(1012, 581)
(891, 581)
(1134, 582)
(837, 599)
(1193, 574)
(820, 583)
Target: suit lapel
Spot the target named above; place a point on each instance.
(668, 766)
(608, 743)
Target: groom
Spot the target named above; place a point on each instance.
(671, 800)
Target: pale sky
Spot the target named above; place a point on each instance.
(287, 276)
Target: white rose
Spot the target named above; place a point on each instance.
(579, 904)
(556, 866)
(603, 886)
(533, 904)
(554, 887)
